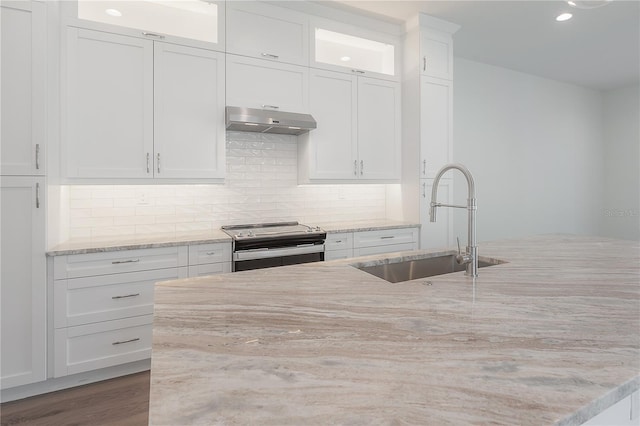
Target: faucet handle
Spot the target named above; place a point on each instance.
(460, 258)
(458, 240)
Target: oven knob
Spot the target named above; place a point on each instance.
(250, 234)
(239, 234)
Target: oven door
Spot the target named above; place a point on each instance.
(245, 260)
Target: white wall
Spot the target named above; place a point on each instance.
(260, 186)
(535, 149)
(621, 207)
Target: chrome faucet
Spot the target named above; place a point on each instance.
(470, 258)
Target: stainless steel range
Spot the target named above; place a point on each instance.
(265, 245)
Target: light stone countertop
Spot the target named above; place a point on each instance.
(549, 338)
(129, 242)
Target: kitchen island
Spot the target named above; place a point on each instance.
(550, 337)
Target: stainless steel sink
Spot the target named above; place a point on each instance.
(395, 272)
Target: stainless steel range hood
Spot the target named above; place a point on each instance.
(268, 121)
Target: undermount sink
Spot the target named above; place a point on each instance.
(407, 270)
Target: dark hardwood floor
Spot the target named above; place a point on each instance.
(120, 401)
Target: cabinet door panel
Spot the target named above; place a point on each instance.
(379, 129)
(256, 83)
(435, 125)
(23, 282)
(333, 147)
(267, 32)
(23, 74)
(438, 234)
(189, 127)
(109, 105)
(437, 55)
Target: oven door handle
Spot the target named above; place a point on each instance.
(266, 253)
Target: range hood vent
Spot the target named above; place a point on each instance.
(268, 121)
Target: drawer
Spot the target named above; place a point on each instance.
(209, 253)
(385, 237)
(115, 262)
(100, 345)
(338, 254)
(209, 269)
(390, 248)
(86, 300)
(340, 241)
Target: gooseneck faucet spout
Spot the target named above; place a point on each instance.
(471, 255)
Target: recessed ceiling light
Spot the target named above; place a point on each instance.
(563, 17)
(113, 12)
(345, 58)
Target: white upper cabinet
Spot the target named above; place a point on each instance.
(332, 148)
(379, 129)
(23, 88)
(193, 22)
(109, 105)
(436, 125)
(189, 126)
(136, 108)
(345, 48)
(436, 54)
(358, 134)
(268, 32)
(256, 83)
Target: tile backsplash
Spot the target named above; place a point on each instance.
(260, 186)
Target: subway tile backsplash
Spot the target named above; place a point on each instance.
(260, 186)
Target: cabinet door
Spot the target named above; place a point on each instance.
(378, 129)
(333, 151)
(256, 83)
(436, 51)
(109, 105)
(23, 286)
(267, 32)
(23, 76)
(436, 125)
(438, 234)
(189, 126)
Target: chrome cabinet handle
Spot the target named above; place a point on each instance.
(424, 63)
(424, 167)
(37, 195)
(424, 190)
(122, 342)
(270, 55)
(355, 167)
(147, 34)
(148, 158)
(119, 262)
(37, 156)
(338, 241)
(357, 71)
(158, 161)
(270, 106)
(211, 253)
(125, 296)
(387, 237)
(361, 167)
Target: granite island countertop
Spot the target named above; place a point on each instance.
(551, 337)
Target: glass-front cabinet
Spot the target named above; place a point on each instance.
(194, 22)
(345, 48)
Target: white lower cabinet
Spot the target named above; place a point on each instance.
(338, 246)
(207, 259)
(344, 245)
(625, 412)
(103, 305)
(384, 241)
(23, 288)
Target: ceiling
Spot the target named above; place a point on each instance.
(599, 48)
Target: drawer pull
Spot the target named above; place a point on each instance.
(125, 296)
(387, 237)
(211, 253)
(338, 241)
(122, 342)
(118, 262)
(270, 55)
